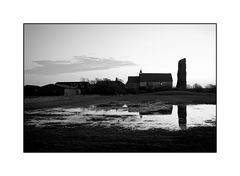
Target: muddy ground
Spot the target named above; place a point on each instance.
(80, 138)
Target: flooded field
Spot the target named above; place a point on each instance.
(171, 121)
(167, 117)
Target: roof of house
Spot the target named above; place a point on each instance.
(51, 86)
(31, 86)
(133, 79)
(155, 77)
(73, 85)
(66, 86)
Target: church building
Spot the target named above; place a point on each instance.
(150, 81)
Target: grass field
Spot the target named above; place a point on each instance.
(169, 97)
(99, 139)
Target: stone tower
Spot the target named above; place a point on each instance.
(181, 75)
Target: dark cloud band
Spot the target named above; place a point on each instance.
(77, 64)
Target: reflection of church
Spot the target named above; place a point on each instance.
(165, 109)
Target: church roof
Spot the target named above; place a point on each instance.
(155, 77)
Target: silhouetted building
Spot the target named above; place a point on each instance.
(150, 81)
(72, 91)
(51, 90)
(84, 87)
(181, 75)
(55, 89)
(31, 90)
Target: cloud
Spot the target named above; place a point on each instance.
(76, 64)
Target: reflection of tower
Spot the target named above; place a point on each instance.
(182, 116)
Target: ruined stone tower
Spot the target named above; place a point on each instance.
(181, 75)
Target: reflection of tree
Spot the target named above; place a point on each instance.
(182, 116)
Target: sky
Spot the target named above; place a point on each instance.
(71, 52)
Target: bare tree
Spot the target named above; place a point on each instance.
(196, 86)
(92, 81)
(83, 79)
(106, 79)
(118, 79)
(189, 86)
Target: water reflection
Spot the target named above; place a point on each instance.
(163, 110)
(169, 117)
(182, 116)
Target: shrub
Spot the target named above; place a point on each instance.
(108, 87)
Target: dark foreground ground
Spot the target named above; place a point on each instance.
(79, 138)
(99, 139)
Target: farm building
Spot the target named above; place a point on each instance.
(85, 87)
(31, 90)
(150, 81)
(51, 90)
(71, 91)
(54, 90)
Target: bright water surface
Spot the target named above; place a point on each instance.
(170, 117)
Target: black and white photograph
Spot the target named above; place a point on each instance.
(120, 87)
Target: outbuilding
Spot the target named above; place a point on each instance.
(71, 91)
(54, 90)
(31, 90)
(85, 87)
(51, 90)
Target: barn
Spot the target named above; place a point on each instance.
(85, 87)
(31, 90)
(71, 91)
(51, 90)
(55, 90)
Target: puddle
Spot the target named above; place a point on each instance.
(169, 117)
